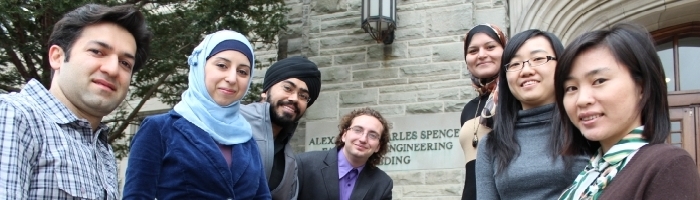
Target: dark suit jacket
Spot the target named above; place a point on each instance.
(318, 178)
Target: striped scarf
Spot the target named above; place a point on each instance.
(591, 182)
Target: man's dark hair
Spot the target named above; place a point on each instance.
(66, 31)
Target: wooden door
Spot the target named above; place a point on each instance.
(684, 126)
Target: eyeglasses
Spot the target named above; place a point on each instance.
(359, 131)
(301, 94)
(534, 62)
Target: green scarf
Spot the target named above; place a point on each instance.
(591, 182)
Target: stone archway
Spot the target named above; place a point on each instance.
(568, 19)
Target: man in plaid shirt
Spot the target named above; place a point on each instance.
(52, 144)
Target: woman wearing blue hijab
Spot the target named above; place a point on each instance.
(203, 148)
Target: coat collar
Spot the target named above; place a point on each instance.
(209, 149)
(330, 177)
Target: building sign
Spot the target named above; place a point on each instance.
(429, 141)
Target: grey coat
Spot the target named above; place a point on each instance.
(258, 115)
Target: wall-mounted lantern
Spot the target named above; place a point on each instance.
(379, 19)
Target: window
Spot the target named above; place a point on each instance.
(679, 49)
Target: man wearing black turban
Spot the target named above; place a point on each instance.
(290, 86)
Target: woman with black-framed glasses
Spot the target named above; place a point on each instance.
(520, 158)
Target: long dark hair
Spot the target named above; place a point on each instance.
(501, 142)
(632, 46)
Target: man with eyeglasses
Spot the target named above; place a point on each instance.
(290, 86)
(349, 171)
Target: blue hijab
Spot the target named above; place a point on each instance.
(223, 123)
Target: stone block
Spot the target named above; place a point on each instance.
(457, 197)
(367, 65)
(433, 78)
(294, 45)
(406, 62)
(295, 10)
(322, 61)
(443, 94)
(337, 15)
(385, 82)
(335, 74)
(455, 105)
(344, 50)
(325, 107)
(355, 6)
(497, 3)
(397, 98)
(407, 177)
(409, 2)
(385, 110)
(404, 88)
(431, 191)
(314, 47)
(453, 83)
(374, 74)
(435, 40)
(314, 25)
(329, 6)
(496, 16)
(341, 24)
(348, 59)
(341, 86)
(410, 19)
(356, 98)
(423, 108)
(384, 52)
(409, 34)
(430, 70)
(443, 21)
(441, 177)
(448, 52)
(414, 52)
(337, 33)
(483, 4)
(346, 41)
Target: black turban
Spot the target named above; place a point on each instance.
(295, 67)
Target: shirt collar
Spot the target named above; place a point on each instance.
(344, 166)
(51, 106)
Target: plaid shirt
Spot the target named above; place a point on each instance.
(46, 152)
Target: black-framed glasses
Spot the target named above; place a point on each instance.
(534, 62)
(301, 95)
(359, 131)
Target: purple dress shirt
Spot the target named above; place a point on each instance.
(347, 175)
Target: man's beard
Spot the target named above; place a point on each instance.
(283, 119)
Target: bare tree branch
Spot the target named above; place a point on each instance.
(9, 88)
(119, 132)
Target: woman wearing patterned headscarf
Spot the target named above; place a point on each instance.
(483, 47)
(203, 148)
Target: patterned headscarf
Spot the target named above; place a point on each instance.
(484, 85)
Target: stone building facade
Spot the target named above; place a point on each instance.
(423, 71)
